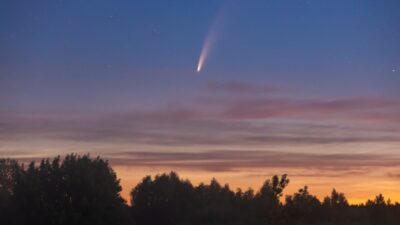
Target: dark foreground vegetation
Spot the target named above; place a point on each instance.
(80, 190)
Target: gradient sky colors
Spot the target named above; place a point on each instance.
(309, 88)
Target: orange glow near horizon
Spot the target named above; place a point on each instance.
(356, 189)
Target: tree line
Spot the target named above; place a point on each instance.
(80, 190)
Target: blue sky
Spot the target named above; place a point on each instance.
(90, 48)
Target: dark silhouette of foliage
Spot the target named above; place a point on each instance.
(74, 191)
(302, 208)
(80, 190)
(268, 207)
(8, 172)
(165, 200)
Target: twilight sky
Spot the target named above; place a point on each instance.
(305, 87)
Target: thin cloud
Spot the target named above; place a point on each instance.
(241, 87)
(250, 121)
(264, 108)
(185, 128)
(234, 160)
(320, 173)
(394, 175)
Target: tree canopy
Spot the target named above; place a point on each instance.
(78, 190)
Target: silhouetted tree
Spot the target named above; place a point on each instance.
(217, 204)
(335, 207)
(267, 200)
(76, 191)
(336, 200)
(377, 210)
(302, 208)
(8, 172)
(165, 200)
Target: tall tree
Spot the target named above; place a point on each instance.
(301, 208)
(166, 200)
(267, 200)
(77, 191)
(9, 169)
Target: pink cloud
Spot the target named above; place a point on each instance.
(241, 87)
(231, 160)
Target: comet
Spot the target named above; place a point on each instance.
(209, 41)
(208, 44)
